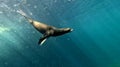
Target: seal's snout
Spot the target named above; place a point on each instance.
(69, 29)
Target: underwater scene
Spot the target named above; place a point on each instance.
(94, 41)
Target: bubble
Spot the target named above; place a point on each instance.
(1, 12)
(24, 1)
(45, 8)
(15, 31)
(68, 38)
(35, 6)
(27, 46)
(55, 1)
(6, 63)
(69, 0)
(15, 5)
(1, 6)
(31, 13)
(28, 5)
(33, 32)
(48, 13)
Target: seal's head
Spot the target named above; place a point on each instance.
(61, 31)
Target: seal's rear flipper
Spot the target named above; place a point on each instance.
(25, 15)
(21, 13)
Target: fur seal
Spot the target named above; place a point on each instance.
(45, 29)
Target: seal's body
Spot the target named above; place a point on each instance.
(45, 29)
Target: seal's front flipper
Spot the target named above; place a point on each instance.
(41, 41)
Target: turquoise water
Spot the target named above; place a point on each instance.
(95, 41)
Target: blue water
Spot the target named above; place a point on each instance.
(95, 41)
